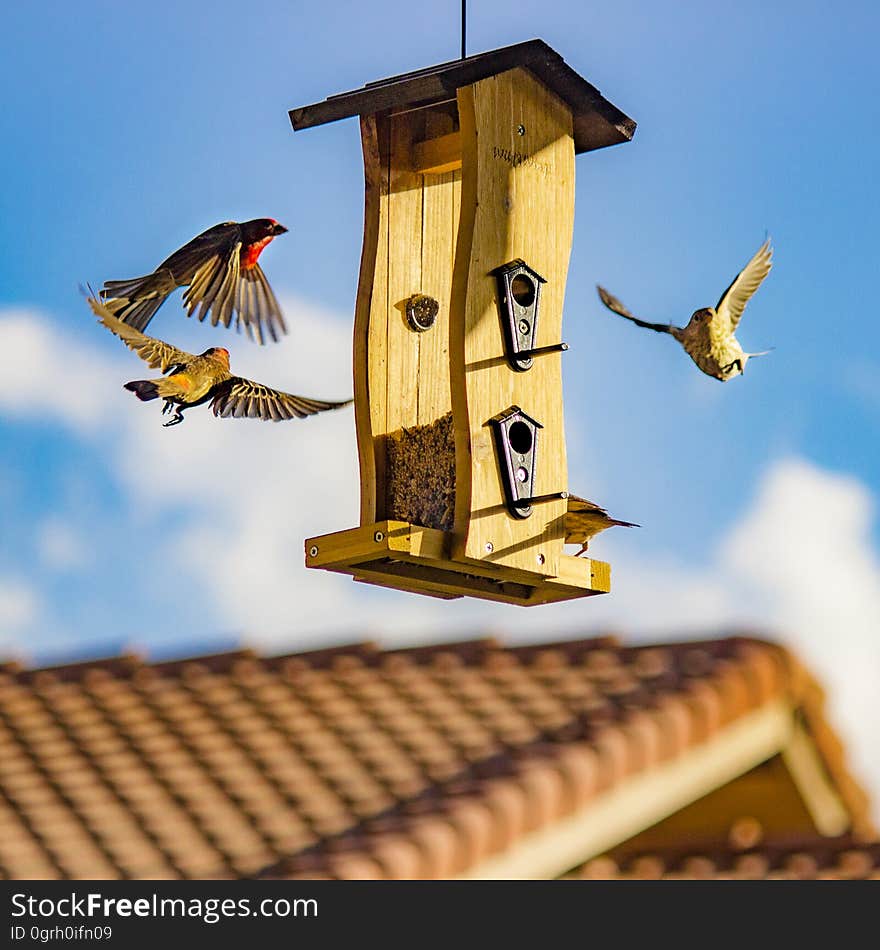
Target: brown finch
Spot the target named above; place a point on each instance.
(220, 270)
(584, 520)
(709, 337)
(191, 380)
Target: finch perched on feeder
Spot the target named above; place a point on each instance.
(191, 380)
(220, 270)
(584, 520)
(709, 337)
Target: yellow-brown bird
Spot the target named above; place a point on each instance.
(709, 338)
(191, 380)
(584, 520)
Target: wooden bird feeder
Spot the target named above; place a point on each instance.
(469, 170)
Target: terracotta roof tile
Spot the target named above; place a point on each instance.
(842, 858)
(352, 762)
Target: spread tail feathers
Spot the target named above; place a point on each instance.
(136, 301)
(144, 389)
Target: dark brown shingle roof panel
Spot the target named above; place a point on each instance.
(597, 123)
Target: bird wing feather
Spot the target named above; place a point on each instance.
(733, 301)
(155, 353)
(222, 289)
(212, 288)
(242, 398)
(256, 304)
(612, 303)
(583, 514)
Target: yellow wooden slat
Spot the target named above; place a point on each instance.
(518, 202)
(438, 247)
(404, 278)
(370, 335)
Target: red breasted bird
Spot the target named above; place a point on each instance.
(220, 270)
(709, 337)
(584, 520)
(191, 380)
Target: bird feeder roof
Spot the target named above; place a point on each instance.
(597, 123)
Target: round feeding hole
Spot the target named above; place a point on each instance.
(523, 290)
(519, 437)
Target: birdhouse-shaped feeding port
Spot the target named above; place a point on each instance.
(458, 347)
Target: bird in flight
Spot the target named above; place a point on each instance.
(584, 520)
(189, 380)
(223, 279)
(709, 338)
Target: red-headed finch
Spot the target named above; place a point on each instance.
(220, 270)
(191, 380)
(709, 336)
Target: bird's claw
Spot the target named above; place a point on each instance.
(176, 419)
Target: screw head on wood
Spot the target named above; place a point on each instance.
(489, 547)
(421, 312)
(520, 130)
(313, 550)
(540, 559)
(379, 537)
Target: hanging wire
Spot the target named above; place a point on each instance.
(463, 28)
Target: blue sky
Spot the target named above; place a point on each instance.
(130, 128)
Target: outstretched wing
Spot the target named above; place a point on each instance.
(224, 289)
(733, 301)
(243, 399)
(612, 303)
(155, 353)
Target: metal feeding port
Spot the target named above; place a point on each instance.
(519, 297)
(516, 442)
(421, 312)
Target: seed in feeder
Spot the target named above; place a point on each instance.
(420, 474)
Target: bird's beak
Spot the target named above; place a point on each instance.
(279, 229)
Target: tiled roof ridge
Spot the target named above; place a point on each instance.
(469, 650)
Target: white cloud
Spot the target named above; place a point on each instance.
(60, 546)
(47, 373)
(804, 552)
(18, 609)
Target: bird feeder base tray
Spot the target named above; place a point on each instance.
(416, 559)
